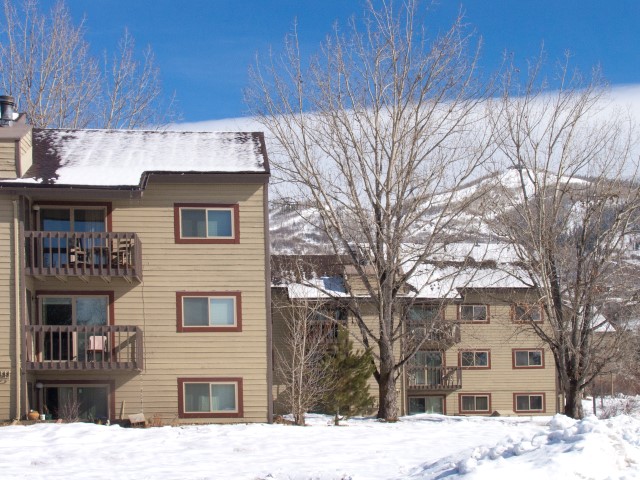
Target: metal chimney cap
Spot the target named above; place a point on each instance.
(7, 116)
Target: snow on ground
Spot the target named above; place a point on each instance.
(418, 447)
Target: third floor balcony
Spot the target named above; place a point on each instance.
(83, 254)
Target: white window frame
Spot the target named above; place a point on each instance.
(207, 236)
(209, 323)
(235, 385)
(475, 402)
(473, 318)
(528, 351)
(528, 395)
(475, 365)
(528, 308)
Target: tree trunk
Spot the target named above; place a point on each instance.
(388, 408)
(573, 401)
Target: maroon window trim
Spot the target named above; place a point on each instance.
(526, 367)
(530, 394)
(487, 367)
(239, 391)
(474, 412)
(474, 322)
(528, 305)
(111, 395)
(236, 223)
(179, 312)
(59, 203)
(72, 293)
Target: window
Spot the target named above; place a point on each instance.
(474, 313)
(325, 322)
(428, 404)
(420, 314)
(75, 309)
(76, 221)
(526, 312)
(475, 359)
(475, 403)
(528, 402)
(65, 218)
(208, 311)
(533, 358)
(196, 223)
(210, 397)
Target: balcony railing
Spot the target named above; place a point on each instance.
(441, 334)
(75, 347)
(103, 254)
(434, 378)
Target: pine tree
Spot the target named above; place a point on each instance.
(351, 371)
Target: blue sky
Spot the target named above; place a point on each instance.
(204, 47)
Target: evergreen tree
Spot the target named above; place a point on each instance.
(351, 371)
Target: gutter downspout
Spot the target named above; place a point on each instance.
(16, 293)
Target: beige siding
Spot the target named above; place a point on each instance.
(7, 313)
(8, 158)
(499, 336)
(26, 154)
(169, 268)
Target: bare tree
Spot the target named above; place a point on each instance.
(299, 365)
(569, 205)
(374, 137)
(132, 89)
(47, 66)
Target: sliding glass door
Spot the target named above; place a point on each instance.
(57, 251)
(81, 310)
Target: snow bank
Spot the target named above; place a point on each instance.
(418, 447)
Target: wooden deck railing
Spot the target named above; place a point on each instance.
(434, 378)
(91, 347)
(103, 254)
(441, 334)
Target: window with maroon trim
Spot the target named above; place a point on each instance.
(475, 359)
(528, 402)
(210, 397)
(209, 311)
(532, 358)
(474, 313)
(526, 312)
(211, 223)
(475, 403)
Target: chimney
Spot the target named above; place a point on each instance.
(7, 115)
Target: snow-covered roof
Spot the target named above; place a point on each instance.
(323, 287)
(122, 157)
(432, 282)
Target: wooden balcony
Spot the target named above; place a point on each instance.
(436, 335)
(83, 348)
(84, 255)
(434, 378)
